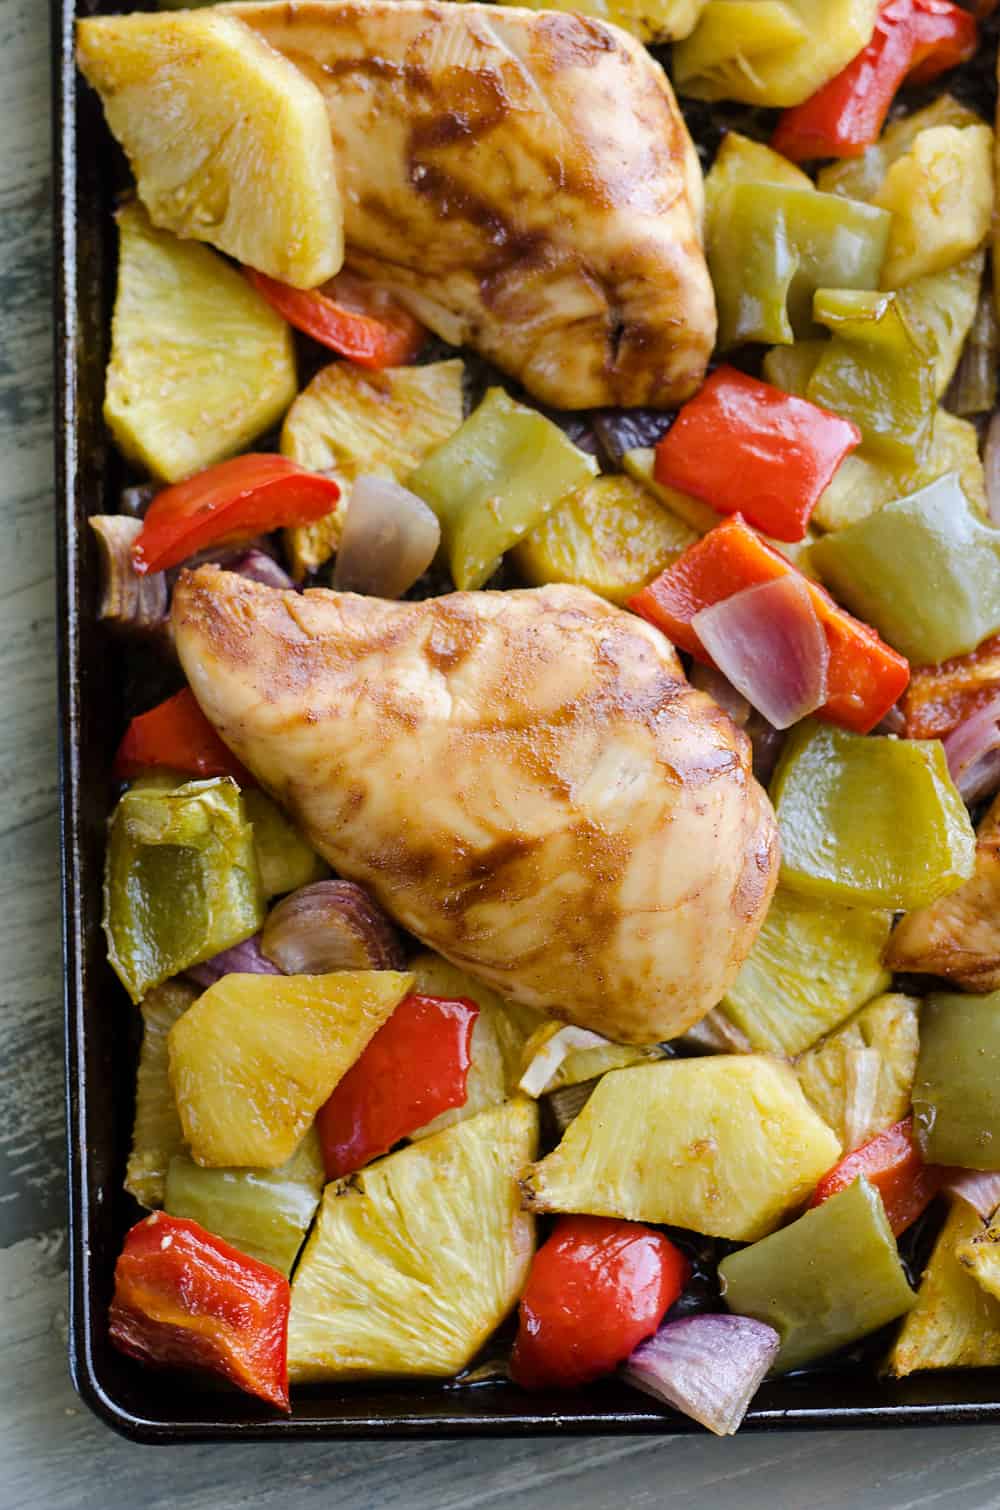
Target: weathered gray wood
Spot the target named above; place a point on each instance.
(53, 1454)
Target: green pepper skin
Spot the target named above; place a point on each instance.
(925, 570)
(181, 880)
(875, 372)
(284, 859)
(956, 1094)
(869, 821)
(491, 482)
(823, 1282)
(770, 247)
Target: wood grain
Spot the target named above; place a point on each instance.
(53, 1454)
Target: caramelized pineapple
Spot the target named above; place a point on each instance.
(940, 193)
(580, 1063)
(980, 1255)
(200, 363)
(954, 1323)
(417, 1259)
(860, 1079)
(157, 1134)
(257, 1055)
(726, 1145)
(350, 421)
(229, 142)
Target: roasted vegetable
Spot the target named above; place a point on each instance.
(284, 859)
(610, 536)
(872, 822)
(813, 963)
(175, 736)
(893, 1164)
(771, 52)
(137, 605)
(741, 160)
(707, 1366)
(263, 1212)
(940, 698)
(940, 193)
(958, 936)
(954, 1323)
(571, 1063)
(350, 315)
(157, 1134)
(415, 1261)
(498, 477)
(726, 1145)
(350, 423)
(327, 926)
(860, 1078)
(200, 365)
(956, 1093)
(229, 142)
(255, 1058)
(831, 1277)
(939, 309)
(980, 1254)
(923, 569)
(862, 177)
(181, 880)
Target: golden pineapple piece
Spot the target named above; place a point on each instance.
(157, 1134)
(579, 1064)
(257, 1055)
(498, 1037)
(200, 363)
(414, 1261)
(940, 193)
(954, 1323)
(726, 1145)
(980, 1254)
(229, 142)
(860, 1078)
(351, 422)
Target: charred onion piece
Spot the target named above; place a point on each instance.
(331, 925)
(128, 601)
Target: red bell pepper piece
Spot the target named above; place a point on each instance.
(914, 39)
(415, 1067)
(745, 447)
(864, 677)
(185, 1298)
(596, 1289)
(939, 698)
(176, 735)
(354, 318)
(234, 500)
(893, 1163)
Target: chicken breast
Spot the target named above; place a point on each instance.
(525, 780)
(523, 181)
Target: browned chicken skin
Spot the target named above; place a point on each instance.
(524, 181)
(525, 780)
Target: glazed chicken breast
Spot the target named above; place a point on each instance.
(523, 181)
(525, 780)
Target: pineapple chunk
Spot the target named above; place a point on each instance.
(581, 1064)
(860, 1079)
(861, 177)
(200, 363)
(257, 1055)
(229, 142)
(351, 422)
(727, 1145)
(940, 193)
(417, 1259)
(954, 1323)
(980, 1254)
(157, 1134)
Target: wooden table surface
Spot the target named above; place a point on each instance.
(53, 1454)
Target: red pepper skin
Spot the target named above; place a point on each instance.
(596, 1289)
(237, 499)
(351, 317)
(865, 676)
(415, 1067)
(915, 39)
(177, 736)
(745, 447)
(891, 1161)
(185, 1298)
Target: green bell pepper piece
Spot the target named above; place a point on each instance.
(491, 482)
(875, 372)
(790, 368)
(870, 821)
(939, 309)
(956, 1093)
(813, 963)
(181, 880)
(823, 1282)
(771, 247)
(284, 859)
(925, 570)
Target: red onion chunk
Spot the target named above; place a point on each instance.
(241, 959)
(982, 1191)
(973, 752)
(258, 566)
(390, 539)
(991, 467)
(328, 926)
(709, 1367)
(769, 643)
